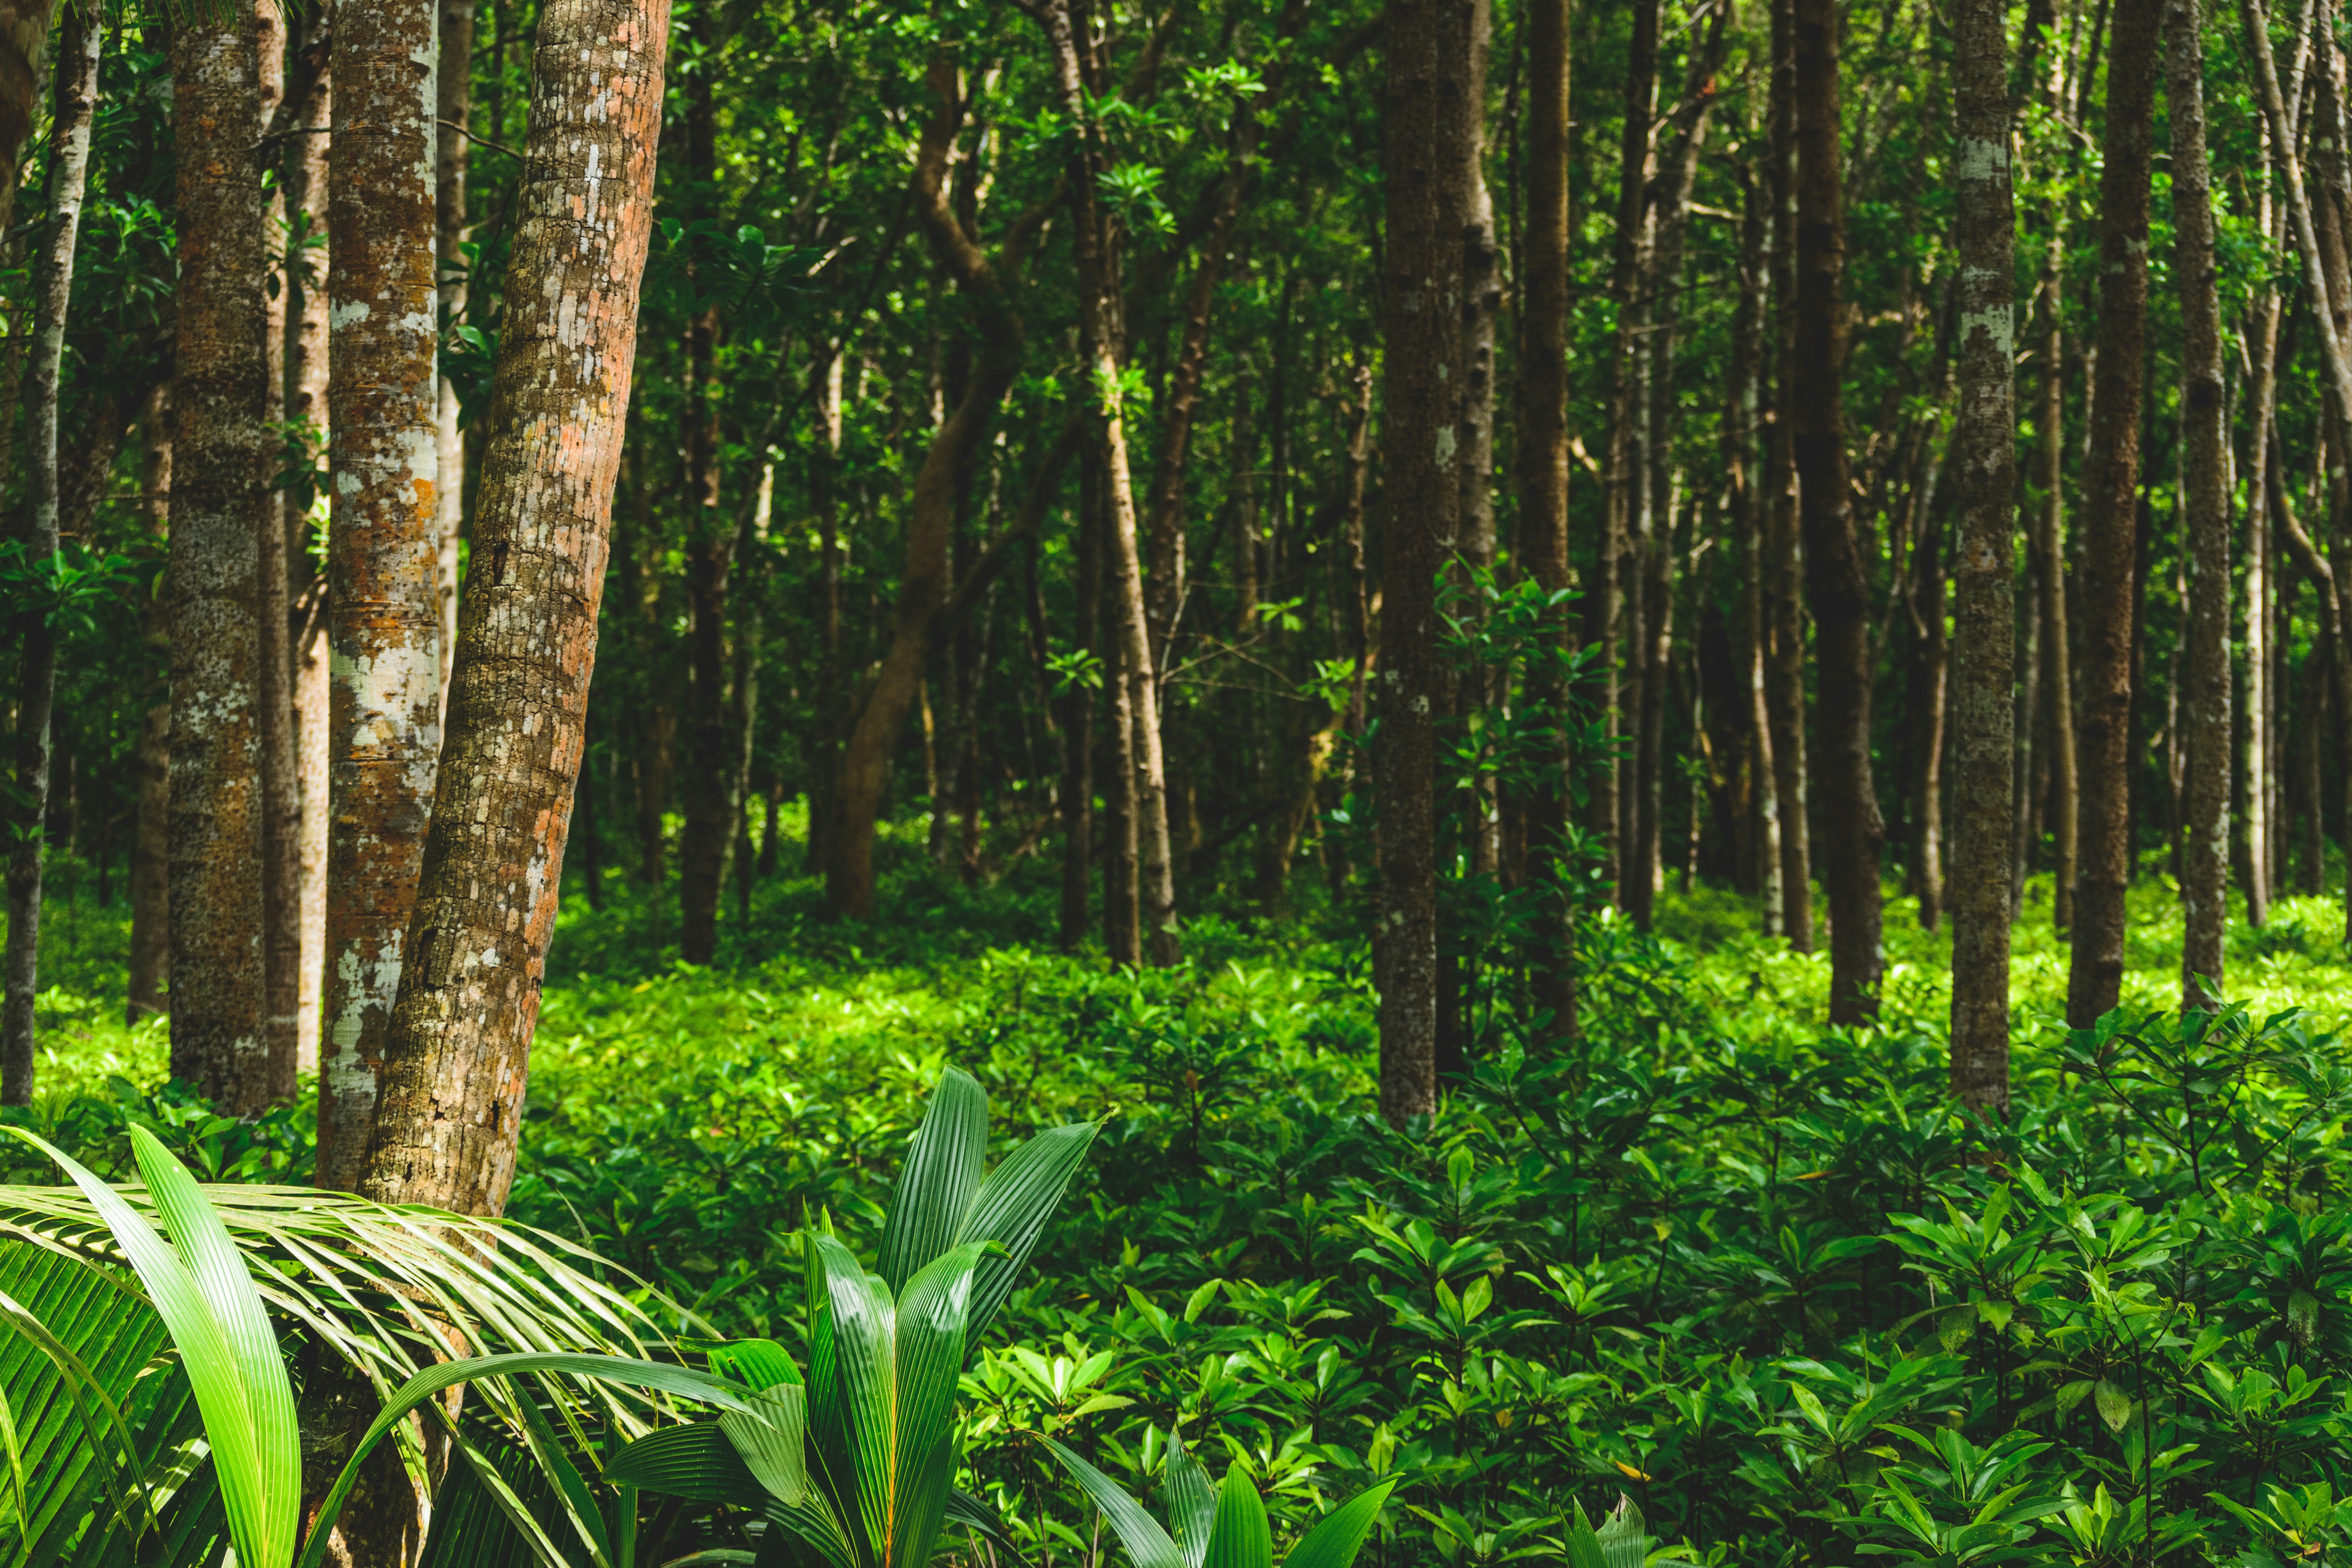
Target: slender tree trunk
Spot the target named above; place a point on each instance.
(2205, 500)
(824, 461)
(1784, 669)
(454, 101)
(1625, 474)
(69, 126)
(281, 783)
(1741, 426)
(743, 689)
(1543, 458)
(2253, 775)
(1984, 613)
(1837, 572)
(384, 697)
(849, 884)
(151, 851)
(1122, 911)
(1100, 333)
(1078, 791)
(710, 807)
(2096, 981)
(2048, 554)
(1924, 723)
(1481, 304)
(305, 406)
(456, 1053)
(1429, 90)
(219, 1042)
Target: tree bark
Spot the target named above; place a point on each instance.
(1984, 645)
(1837, 572)
(1925, 722)
(151, 849)
(1078, 791)
(69, 126)
(2049, 552)
(849, 883)
(456, 1053)
(384, 684)
(1742, 423)
(305, 172)
(2205, 500)
(219, 1042)
(1430, 88)
(453, 103)
(2095, 980)
(281, 784)
(1543, 458)
(1783, 576)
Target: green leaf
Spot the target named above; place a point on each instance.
(1242, 1538)
(696, 1462)
(2115, 1406)
(1146, 1544)
(761, 1364)
(1011, 1209)
(772, 1439)
(261, 1527)
(937, 1183)
(1192, 1503)
(928, 1354)
(1622, 1536)
(1335, 1542)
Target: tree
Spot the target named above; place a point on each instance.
(457, 1048)
(385, 726)
(1984, 656)
(1543, 455)
(2205, 497)
(1782, 570)
(69, 126)
(1429, 87)
(2094, 981)
(1836, 572)
(218, 1044)
(924, 585)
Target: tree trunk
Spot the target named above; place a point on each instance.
(1837, 572)
(281, 783)
(456, 1053)
(849, 882)
(1743, 411)
(2253, 775)
(1122, 915)
(1783, 577)
(710, 807)
(219, 1042)
(1077, 791)
(306, 405)
(2205, 501)
(2049, 555)
(1430, 89)
(1100, 332)
(385, 696)
(1983, 586)
(1615, 605)
(825, 763)
(1925, 722)
(150, 849)
(743, 691)
(76, 105)
(2095, 980)
(1481, 304)
(1543, 457)
(454, 99)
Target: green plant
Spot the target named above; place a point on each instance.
(1221, 1526)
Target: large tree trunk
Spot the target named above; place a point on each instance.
(1100, 332)
(1983, 612)
(1481, 304)
(1837, 572)
(77, 103)
(849, 882)
(2095, 980)
(1783, 576)
(1543, 458)
(709, 779)
(1429, 91)
(219, 1042)
(2049, 556)
(384, 693)
(454, 87)
(456, 1053)
(2205, 500)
